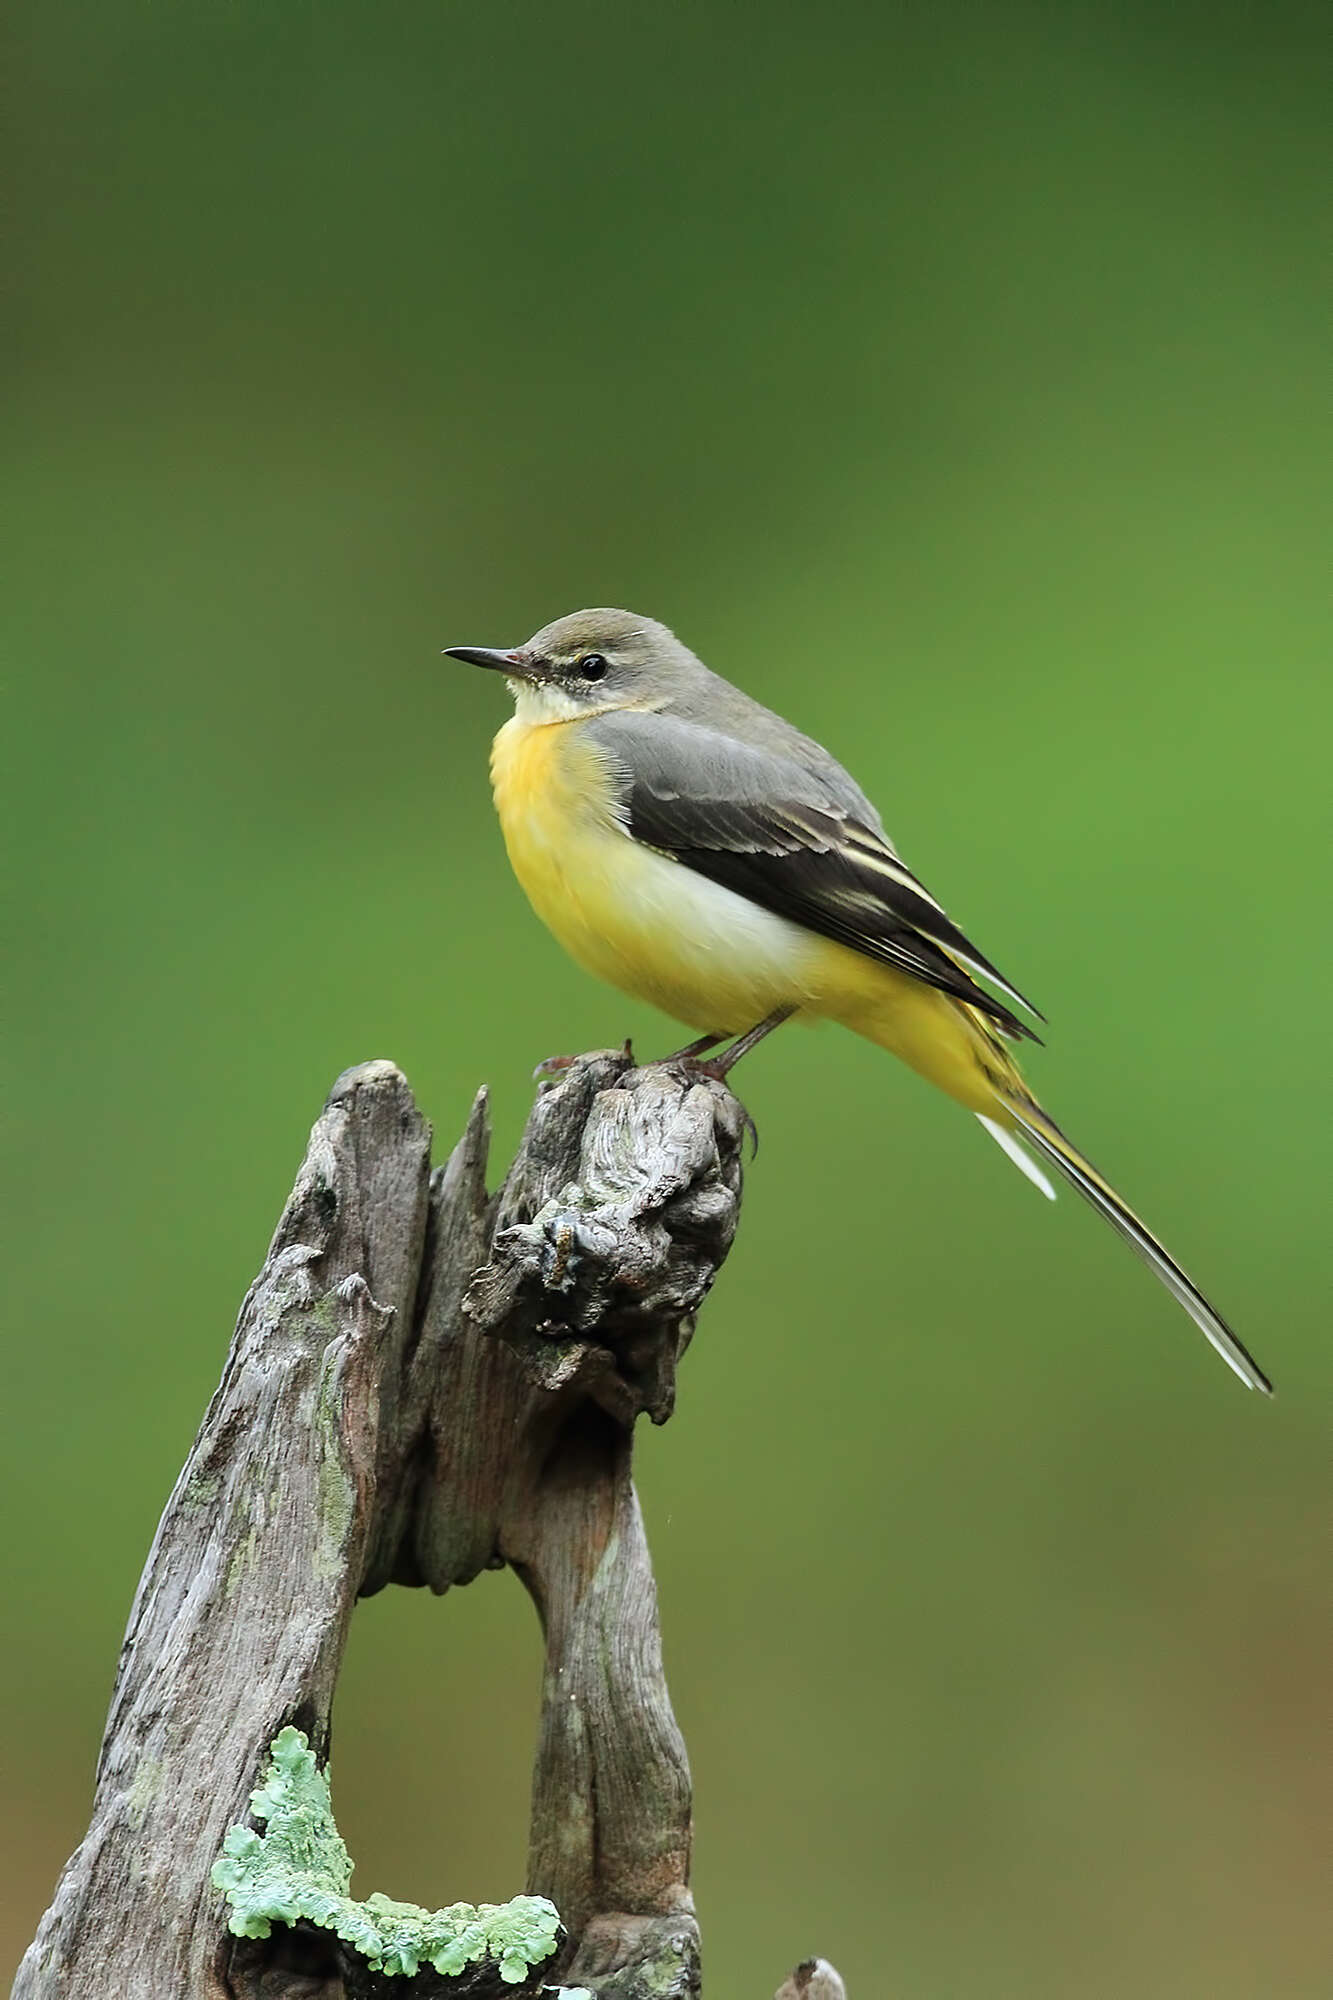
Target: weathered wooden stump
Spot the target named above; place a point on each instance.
(425, 1381)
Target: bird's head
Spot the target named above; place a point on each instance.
(590, 662)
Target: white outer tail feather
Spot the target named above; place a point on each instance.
(1018, 1153)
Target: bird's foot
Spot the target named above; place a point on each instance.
(718, 1068)
(552, 1066)
(693, 1068)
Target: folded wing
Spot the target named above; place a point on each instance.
(767, 827)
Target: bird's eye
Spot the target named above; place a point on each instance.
(592, 666)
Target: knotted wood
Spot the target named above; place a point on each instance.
(425, 1381)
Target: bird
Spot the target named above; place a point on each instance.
(694, 849)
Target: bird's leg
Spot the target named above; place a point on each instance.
(720, 1066)
(693, 1050)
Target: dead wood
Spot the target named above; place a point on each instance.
(425, 1381)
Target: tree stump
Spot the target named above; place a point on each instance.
(425, 1381)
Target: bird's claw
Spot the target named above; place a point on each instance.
(716, 1071)
(555, 1066)
(552, 1066)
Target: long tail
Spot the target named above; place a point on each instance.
(1052, 1146)
(963, 1052)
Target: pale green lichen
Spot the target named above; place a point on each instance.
(240, 1560)
(337, 1492)
(144, 1787)
(200, 1493)
(298, 1870)
(285, 1290)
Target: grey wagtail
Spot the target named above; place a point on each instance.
(698, 852)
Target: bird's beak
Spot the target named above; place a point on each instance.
(517, 664)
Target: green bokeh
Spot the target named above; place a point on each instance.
(954, 378)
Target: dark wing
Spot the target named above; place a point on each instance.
(767, 828)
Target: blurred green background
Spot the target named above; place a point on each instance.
(952, 378)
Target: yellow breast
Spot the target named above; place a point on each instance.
(554, 797)
(634, 917)
(553, 794)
